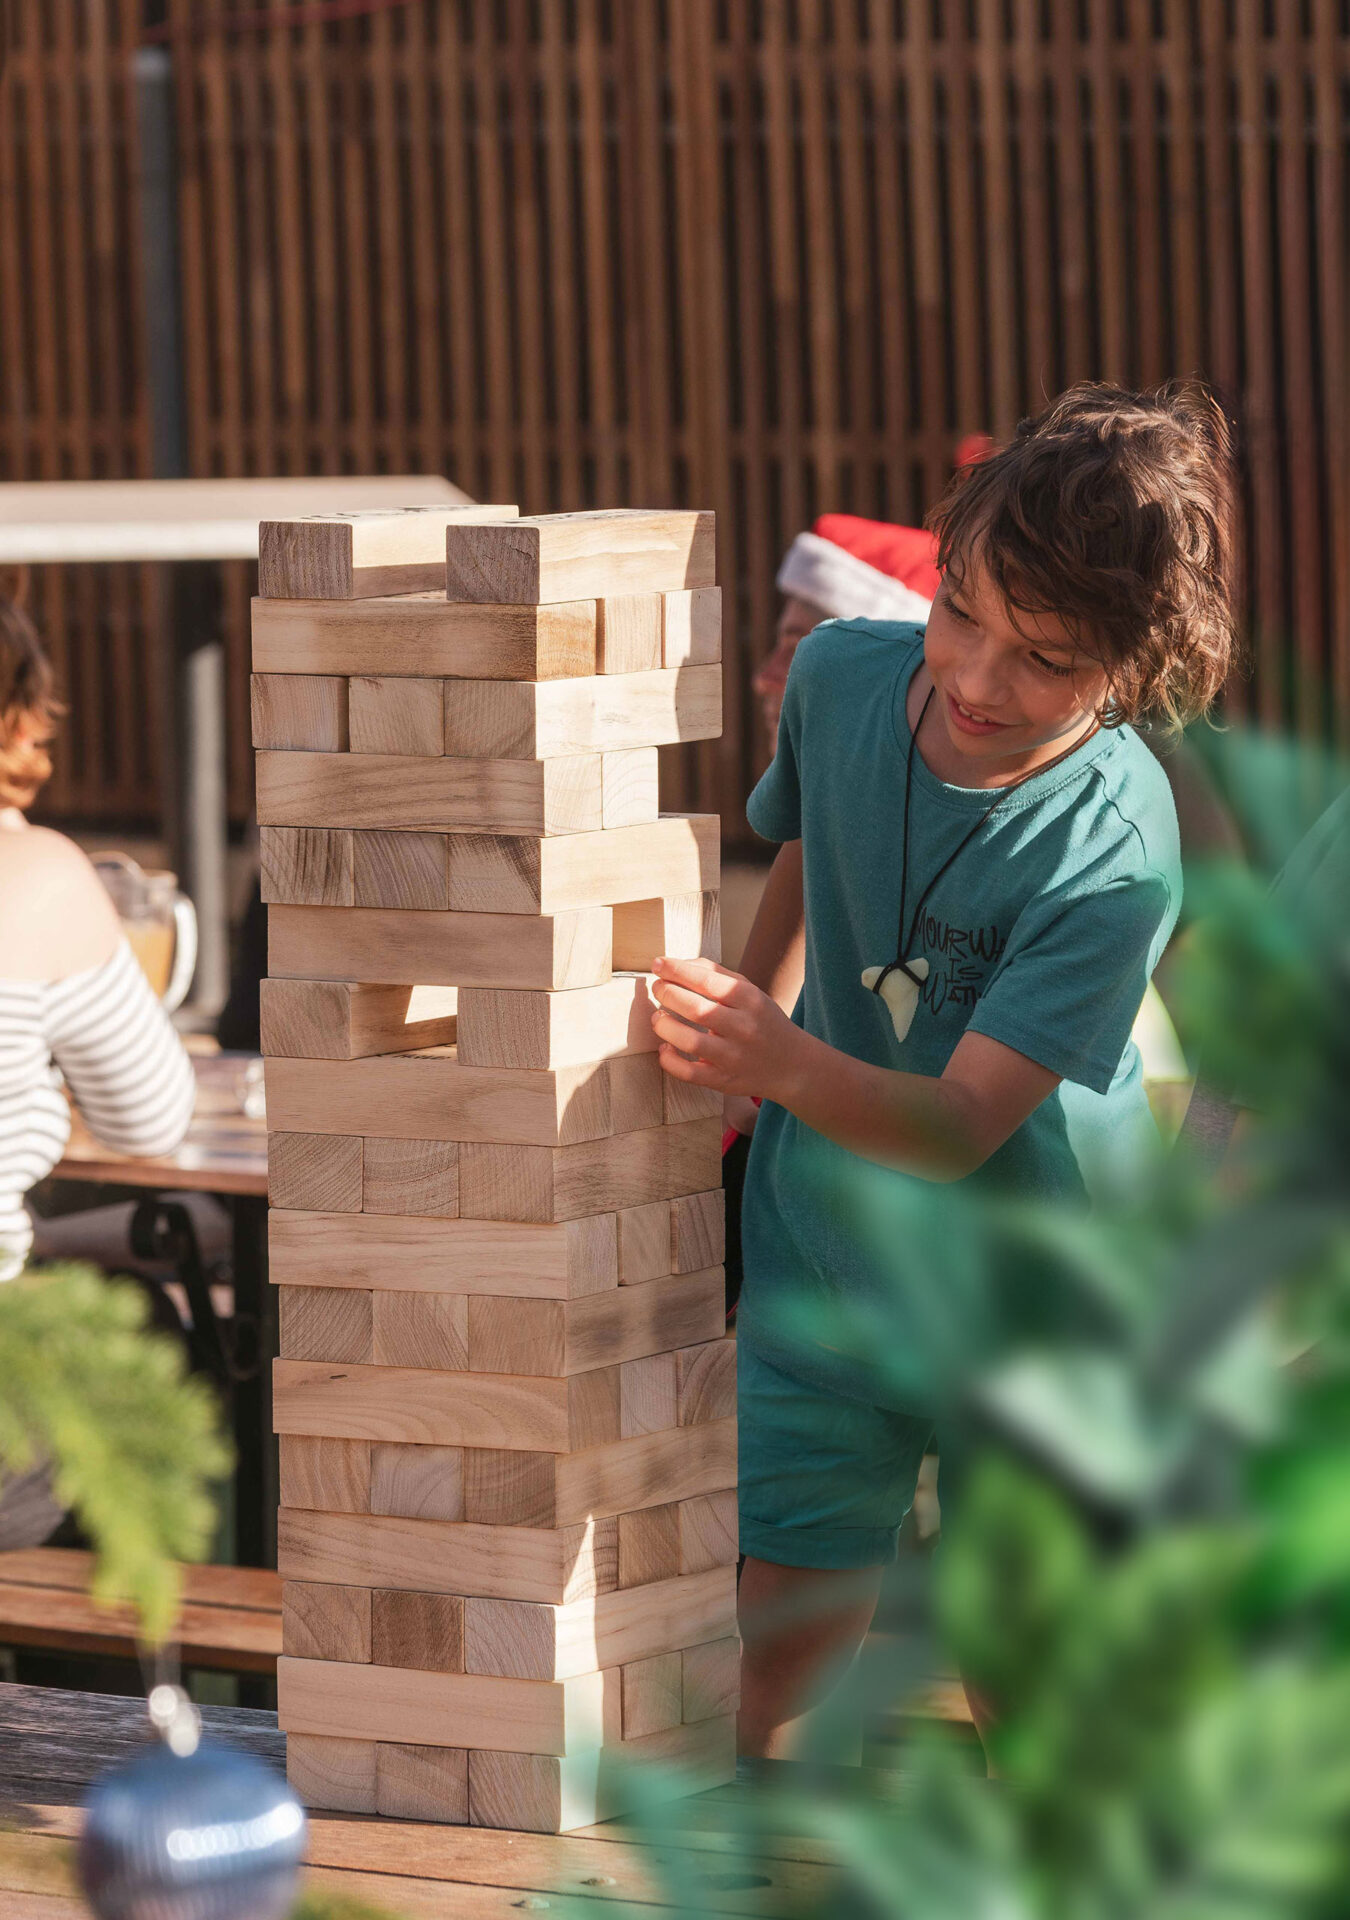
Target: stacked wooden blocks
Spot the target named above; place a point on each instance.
(505, 1394)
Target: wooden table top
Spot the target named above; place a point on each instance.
(225, 1150)
(52, 1744)
(88, 520)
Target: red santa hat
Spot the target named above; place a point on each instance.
(862, 569)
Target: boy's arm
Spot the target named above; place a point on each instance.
(942, 1129)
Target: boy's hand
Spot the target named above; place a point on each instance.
(719, 1030)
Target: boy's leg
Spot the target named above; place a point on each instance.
(800, 1629)
(825, 1482)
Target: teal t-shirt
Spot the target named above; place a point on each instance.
(1042, 934)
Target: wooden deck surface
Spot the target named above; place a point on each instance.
(52, 1744)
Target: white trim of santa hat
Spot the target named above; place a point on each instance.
(824, 567)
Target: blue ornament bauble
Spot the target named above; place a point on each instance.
(209, 1835)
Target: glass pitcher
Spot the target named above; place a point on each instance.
(160, 924)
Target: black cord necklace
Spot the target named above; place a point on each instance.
(906, 976)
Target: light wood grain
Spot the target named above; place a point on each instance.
(424, 1330)
(416, 1483)
(342, 556)
(647, 1471)
(424, 1407)
(507, 1028)
(423, 635)
(326, 1323)
(510, 1489)
(400, 870)
(530, 874)
(422, 1783)
(452, 796)
(331, 1475)
(320, 1172)
(685, 927)
(332, 1773)
(711, 1680)
(683, 1100)
(691, 633)
(344, 1020)
(303, 712)
(306, 866)
(431, 1095)
(652, 1695)
(628, 638)
(542, 720)
(410, 1176)
(547, 1642)
(396, 714)
(555, 1337)
(443, 1256)
(554, 1565)
(600, 1176)
(705, 1378)
(698, 1231)
(534, 1793)
(648, 1398)
(629, 787)
(645, 1245)
(324, 1622)
(420, 1630)
(553, 952)
(412, 1708)
(708, 1532)
(636, 1093)
(649, 1545)
(569, 556)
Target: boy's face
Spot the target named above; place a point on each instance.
(1012, 695)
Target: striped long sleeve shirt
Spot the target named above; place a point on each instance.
(105, 1034)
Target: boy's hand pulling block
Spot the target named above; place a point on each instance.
(345, 556)
(579, 556)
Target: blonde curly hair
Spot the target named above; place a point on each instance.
(29, 709)
(1114, 512)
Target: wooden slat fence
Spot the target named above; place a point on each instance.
(775, 256)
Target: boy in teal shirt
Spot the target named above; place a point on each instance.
(979, 868)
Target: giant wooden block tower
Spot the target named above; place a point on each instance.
(505, 1395)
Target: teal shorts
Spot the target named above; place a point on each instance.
(824, 1481)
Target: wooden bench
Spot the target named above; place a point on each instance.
(230, 1622)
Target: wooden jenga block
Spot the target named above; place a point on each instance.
(629, 787)
(710, 1680)
(648, 1399)
(691, 633)
(416, 1483)
(422, 1630)
(422, 1096)
(636, 1097)
(685, 927)
(325, 1623)
(422, 1783)
(319, 1171)
(506, 1489)
(628, 636)
(423, 635)
(649, 1470)
(391, 713)
(331, 1475)
(405, 871)
(552, 1564)
(705, 1381)
(500, 1182)
(563, 1337)
(645, 1243)
(342, 556)
(686, 1100)
(594, 1408)
(424, 1329)
(552, 952)
(410, 1707)
(326, 1323)
(517, 874)
(652, 1691)
(300, 712)
(553, 719)
(556, 1262)
(506, 1028)
(337, 1776)
(698, 1231)
(708, 1532)
(449, 796)
(530, 1641)
(341, 1020)
(570, 556)
(359, 1402)
(411, 1177)
(649, 1545)
(306, 866)
(538, 1794)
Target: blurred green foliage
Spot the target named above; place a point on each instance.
(1147, 1571)
(133, 1442)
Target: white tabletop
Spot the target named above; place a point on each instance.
(84, 520)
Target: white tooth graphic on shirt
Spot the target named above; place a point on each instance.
(899, 991)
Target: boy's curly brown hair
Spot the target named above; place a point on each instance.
(29, 708)
(1114, 512)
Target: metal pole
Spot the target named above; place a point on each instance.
(195, 811)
